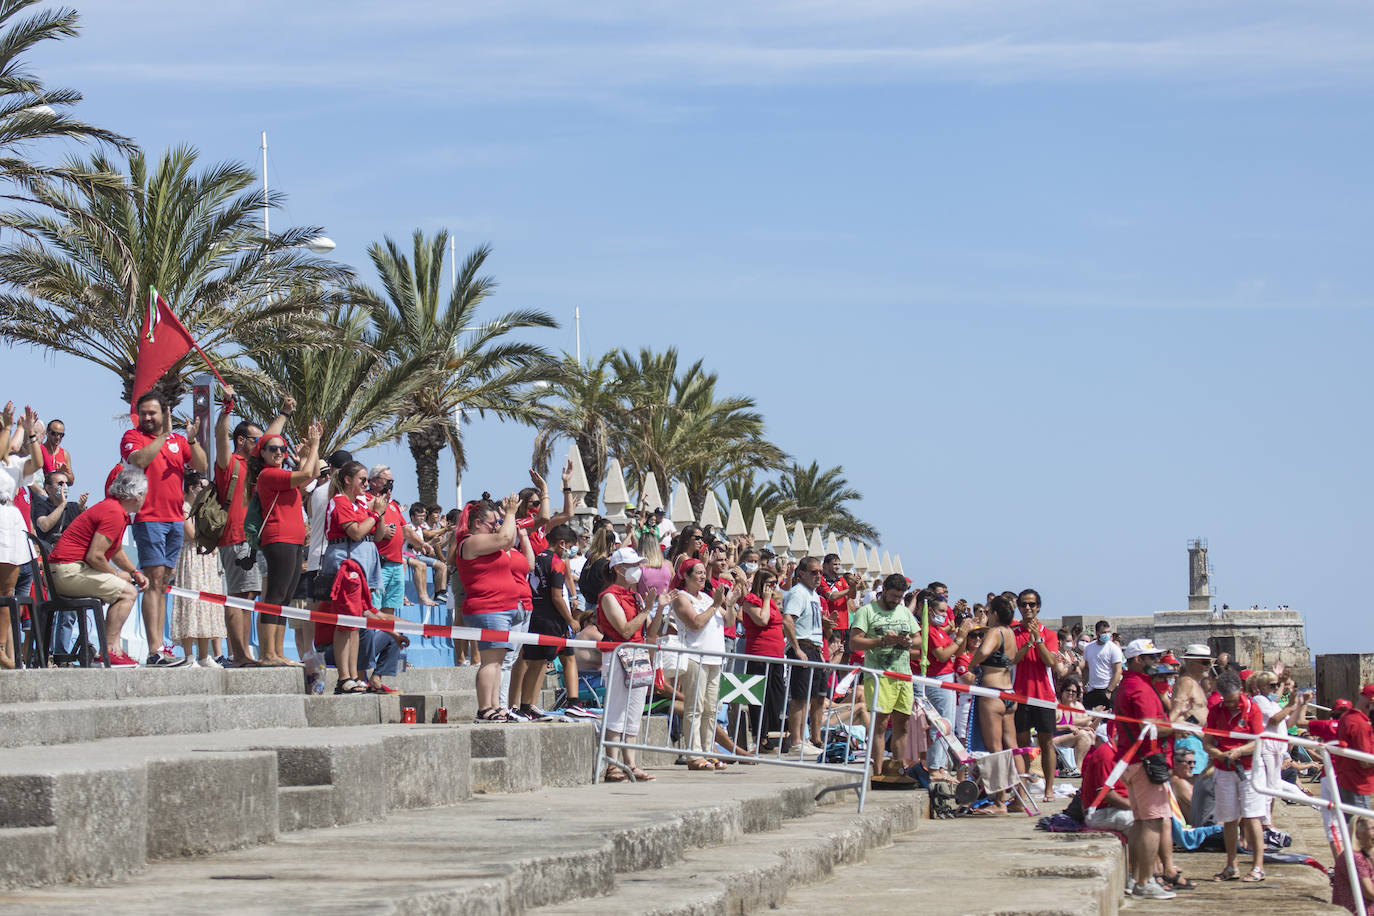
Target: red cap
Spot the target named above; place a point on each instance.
(1367, 691)
(1245, 675)
(1169, 659)
(1342, 705)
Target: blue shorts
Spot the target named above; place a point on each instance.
(424, 558)
(392, 594)
(498, 620)
(159, 543)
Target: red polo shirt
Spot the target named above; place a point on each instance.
(1357, 733)
(939, 639)
(1246, 718)
(1096, 767)
(166, 475)
(1033, 676)
(1135, 697)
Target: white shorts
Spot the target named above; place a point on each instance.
(1236, 797)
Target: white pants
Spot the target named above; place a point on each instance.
(701, 690)
(624, 705)
(1236, 797)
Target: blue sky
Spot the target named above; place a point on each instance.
(1061, 285)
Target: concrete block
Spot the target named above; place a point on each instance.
(332, 711)
(262, 680)
(567, 753)
(521, 749)
(211, 802)
(305, 807)
(428, 767)
(355, 770)
(102, 826)
(488, 775)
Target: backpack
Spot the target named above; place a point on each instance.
(593, 581)
(253, 520)
(210, 517)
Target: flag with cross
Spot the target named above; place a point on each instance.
(742, 688)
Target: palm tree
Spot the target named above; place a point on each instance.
(481, 371)
(81, 277)
(674, 425)
(353, 390)
(30, 113)
(752, 495)
(584, 404)
(816, 497)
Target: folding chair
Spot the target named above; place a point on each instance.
(46, 612)
(997, 773)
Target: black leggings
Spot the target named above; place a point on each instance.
(772, 715)
(283, 572)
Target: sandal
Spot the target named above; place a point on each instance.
(490, 715)
(349, 685)
(721, 765)
(1254, 876)
(641, 775)
(699, 765)
(1177, 882)
(1228, 873)
(613, 774)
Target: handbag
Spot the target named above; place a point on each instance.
(638, 667)
(1156, 769)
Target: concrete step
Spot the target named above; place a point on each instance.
(757, 871)
(102, 810)
(52, 685)
(491, 854)
(46, 723)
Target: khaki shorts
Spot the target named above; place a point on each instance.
(1149, 800)
(77, 580)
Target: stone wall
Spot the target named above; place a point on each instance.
(1342, 676)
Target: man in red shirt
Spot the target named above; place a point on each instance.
(1114, 812)
(1238, 804)
(234, 486)
(1355, 778)
(163, 456)
(55, 454)
(1037, 665)
(1150, 837)
(89, 561)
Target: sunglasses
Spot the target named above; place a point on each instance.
(1028, 604)
(56, 435)
(278, 449)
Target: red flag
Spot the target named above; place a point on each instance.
(164, 341)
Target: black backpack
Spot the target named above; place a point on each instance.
(592, 582)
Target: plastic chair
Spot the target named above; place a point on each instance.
(46, 613)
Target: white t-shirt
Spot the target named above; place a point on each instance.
(317, 508)
(710, 638)
(1101, 657)
(1268, 707)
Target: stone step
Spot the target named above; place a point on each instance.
(52, 685)
(756, 872)
(101, 810)
(48, 723)
(491, 854)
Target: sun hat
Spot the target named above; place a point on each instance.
(1198, 650)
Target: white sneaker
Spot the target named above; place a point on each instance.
(1130, 884)
(1151, 890)
(810, 750)
(209, 662)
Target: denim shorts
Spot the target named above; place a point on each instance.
(497, 620)
(159, 543)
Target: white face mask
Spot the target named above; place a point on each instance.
(751, 568)
(632, 575)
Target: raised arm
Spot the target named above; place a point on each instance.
(223, 447)
(310, 464)
(278, 424)
(481, 543)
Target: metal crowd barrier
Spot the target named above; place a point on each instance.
(1330, 801)
(743, 682)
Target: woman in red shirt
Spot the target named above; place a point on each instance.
(283, 532)
(492, 563)
(763, 636)
(353, 523)
(621, 615)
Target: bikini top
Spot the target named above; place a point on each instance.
(997, 659)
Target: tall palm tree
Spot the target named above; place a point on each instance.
(80, 278)
(816, 497)
(356, 393)
(675, 425)
(583, 403)
(31, 113)
(483, 371)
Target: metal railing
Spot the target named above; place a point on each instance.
(744, 681)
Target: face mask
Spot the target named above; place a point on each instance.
(1104, 638)
(1273, 697)
(751, 568)
(632, 575)
(937, 619)
(574, 551)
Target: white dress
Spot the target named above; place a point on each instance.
(14, 542)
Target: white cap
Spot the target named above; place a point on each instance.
(626, 556)
(1197, 650)
(1142, 647)
(1101, 730)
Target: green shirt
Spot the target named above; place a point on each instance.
(875, 622)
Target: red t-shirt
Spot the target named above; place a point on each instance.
(1033, 677)
(1358, 734)
(939, 639)
(238, 507)
(1135, 696)
(1247, 718)
(1323, 729)
(962, 664)
(629, 606)
(166, 475)
(282, 520)
(1096, 767)
(106, 517)
(349, 595)
(344, 511)
(489, 581)
(763, 640)
(58, 458)
(538, 541)
(392, 550)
